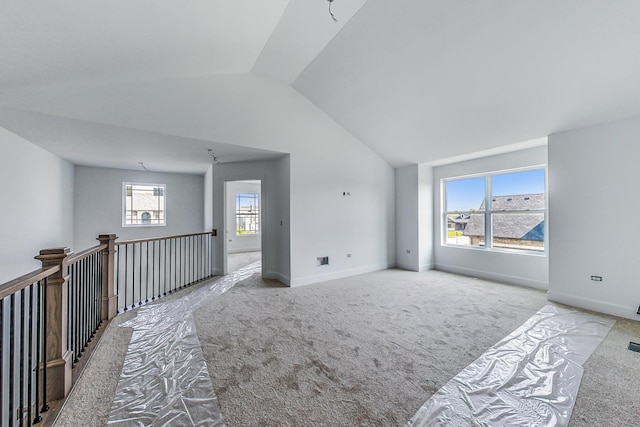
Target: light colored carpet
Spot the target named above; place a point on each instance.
(367, 350)
(241, 259)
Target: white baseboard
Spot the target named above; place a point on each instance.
(589, 304)
(426, 267)
(337, 275)
(277, 276)
(403, 266)
(421, 269)
(488, 275)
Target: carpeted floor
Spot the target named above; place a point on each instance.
(363, 351)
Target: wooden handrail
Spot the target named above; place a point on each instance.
(154, 239)
(22, 282)
(86, 253)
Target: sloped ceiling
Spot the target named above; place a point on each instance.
(417, 81)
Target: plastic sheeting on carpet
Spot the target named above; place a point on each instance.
(164, 379)
(530, 378)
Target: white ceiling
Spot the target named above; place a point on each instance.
(417, 81)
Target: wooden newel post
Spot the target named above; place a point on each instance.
(58, 356)
(109, 297)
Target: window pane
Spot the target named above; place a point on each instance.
(518, 231)
(247, 213)
(465, 195)
(465, 229)
(144, 204)
(518, 191)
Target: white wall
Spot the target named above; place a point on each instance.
(594, 205)
(425, 218)
(36, 196)
(98, 204)
(414, 217)
(208, 199)
(243, 109)
(247, 242)
(283, 216)
(519, 268)
(407, 218)
(275, 248)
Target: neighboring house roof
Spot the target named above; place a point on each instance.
(513, 226)
(460, 219)
(520, 202)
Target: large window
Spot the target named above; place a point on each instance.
(499, 210)
(143, 205)
(247, 213)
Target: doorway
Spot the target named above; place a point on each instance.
(243, 223)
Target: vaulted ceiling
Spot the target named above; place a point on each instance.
(416, 81)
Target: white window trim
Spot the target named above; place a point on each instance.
(124, 204)
(488, 244)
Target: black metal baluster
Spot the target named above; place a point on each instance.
(175, 265)
(75, 308)
(153, 270)
(118, 275)
(38, 418)
(159, 266)
(140, 280)
(133, 269)
(147, 268)
(72, 295)
(30, 355)
(126, 274)
(99, 292)
(167, 279)
(183, 257)
(83, 306)
(12, 356)
(91, 302)
(45, 407)
(22, 356)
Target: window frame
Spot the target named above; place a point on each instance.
(489, 212)
(162, 194)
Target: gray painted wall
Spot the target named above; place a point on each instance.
(519, 268)
(36, 196)
(98, 204)
(594, 205)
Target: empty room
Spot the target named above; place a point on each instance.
(319, 213)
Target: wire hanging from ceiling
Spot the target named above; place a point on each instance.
(143, 166)
(213, 156)
(331, 12)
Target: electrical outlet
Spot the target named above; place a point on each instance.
(596, 278)
(323, 260)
